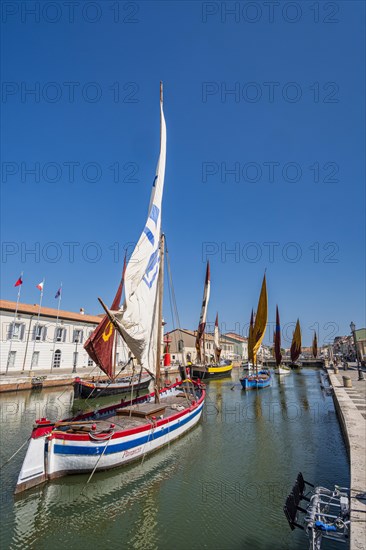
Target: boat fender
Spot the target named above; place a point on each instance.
(324, 527)
(94, 427)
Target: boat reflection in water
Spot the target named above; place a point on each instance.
(51, 511)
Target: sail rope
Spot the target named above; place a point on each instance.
(173, 305)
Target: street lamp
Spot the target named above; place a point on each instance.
(75, 353)
(353, 330)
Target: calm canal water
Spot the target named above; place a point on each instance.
(221, 487)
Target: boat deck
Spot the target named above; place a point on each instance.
(131, 417)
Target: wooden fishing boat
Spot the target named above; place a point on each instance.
(260, 378)
(113, 436)
(201, 368)
(256, 381)
(86, 388)
(212, 371)
(128, 430)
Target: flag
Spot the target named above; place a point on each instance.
(58, 293)
(40, 286)
(19, 281)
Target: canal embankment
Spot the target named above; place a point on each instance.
(350, 404)
(17, 381)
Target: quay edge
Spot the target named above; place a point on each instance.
(353, 426)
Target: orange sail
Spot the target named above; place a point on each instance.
(260, 320)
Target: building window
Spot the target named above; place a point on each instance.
(16, 331)
(90, 362)
(180, 345)
(78, 336)
(35, 359)
(60, 334)
(11, 359)
(57, 359)
(40, 332)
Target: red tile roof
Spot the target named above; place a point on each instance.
(236, 336)
(6, 305)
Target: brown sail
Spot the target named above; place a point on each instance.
(99, 345)
(296, 343)
(277, 339)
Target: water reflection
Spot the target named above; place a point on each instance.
(221, 487)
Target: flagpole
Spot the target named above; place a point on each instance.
(55, 336)
(12, 331)
(37, 324)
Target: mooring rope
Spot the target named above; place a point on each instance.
(16, 452)
(99, 459)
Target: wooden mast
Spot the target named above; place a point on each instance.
(160, 295)
(160, 318)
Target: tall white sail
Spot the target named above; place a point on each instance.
(137, 318)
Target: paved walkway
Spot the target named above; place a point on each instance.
(351, 407)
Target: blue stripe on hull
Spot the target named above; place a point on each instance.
(97, 450)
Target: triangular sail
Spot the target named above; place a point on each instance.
(137, 320)
(315, 345)
(99, 345)
(217, 340)
(203, 316)
(296, 343)
(277, 339)
(260, 320)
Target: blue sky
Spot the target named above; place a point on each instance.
(292, 133)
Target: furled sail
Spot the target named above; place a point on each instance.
(203, 316)
(315, 345)
(137, 320)
(296, 343)
(250, 338)
(99, 345)
(277, 339)
(217, 339)
(260, 320)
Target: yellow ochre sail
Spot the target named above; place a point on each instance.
(260, 320)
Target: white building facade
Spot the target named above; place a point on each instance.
(54, 341)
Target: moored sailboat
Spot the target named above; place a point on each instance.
(99, 347)
(295, 349)
(203, 369)
(279, 369)
(261, 378)
(128, 430)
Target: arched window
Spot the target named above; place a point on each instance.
(57, 359)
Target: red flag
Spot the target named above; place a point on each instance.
(99, 345)
(19, 281)
(40, 286)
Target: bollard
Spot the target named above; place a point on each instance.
(336, 370)
(347, 382)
